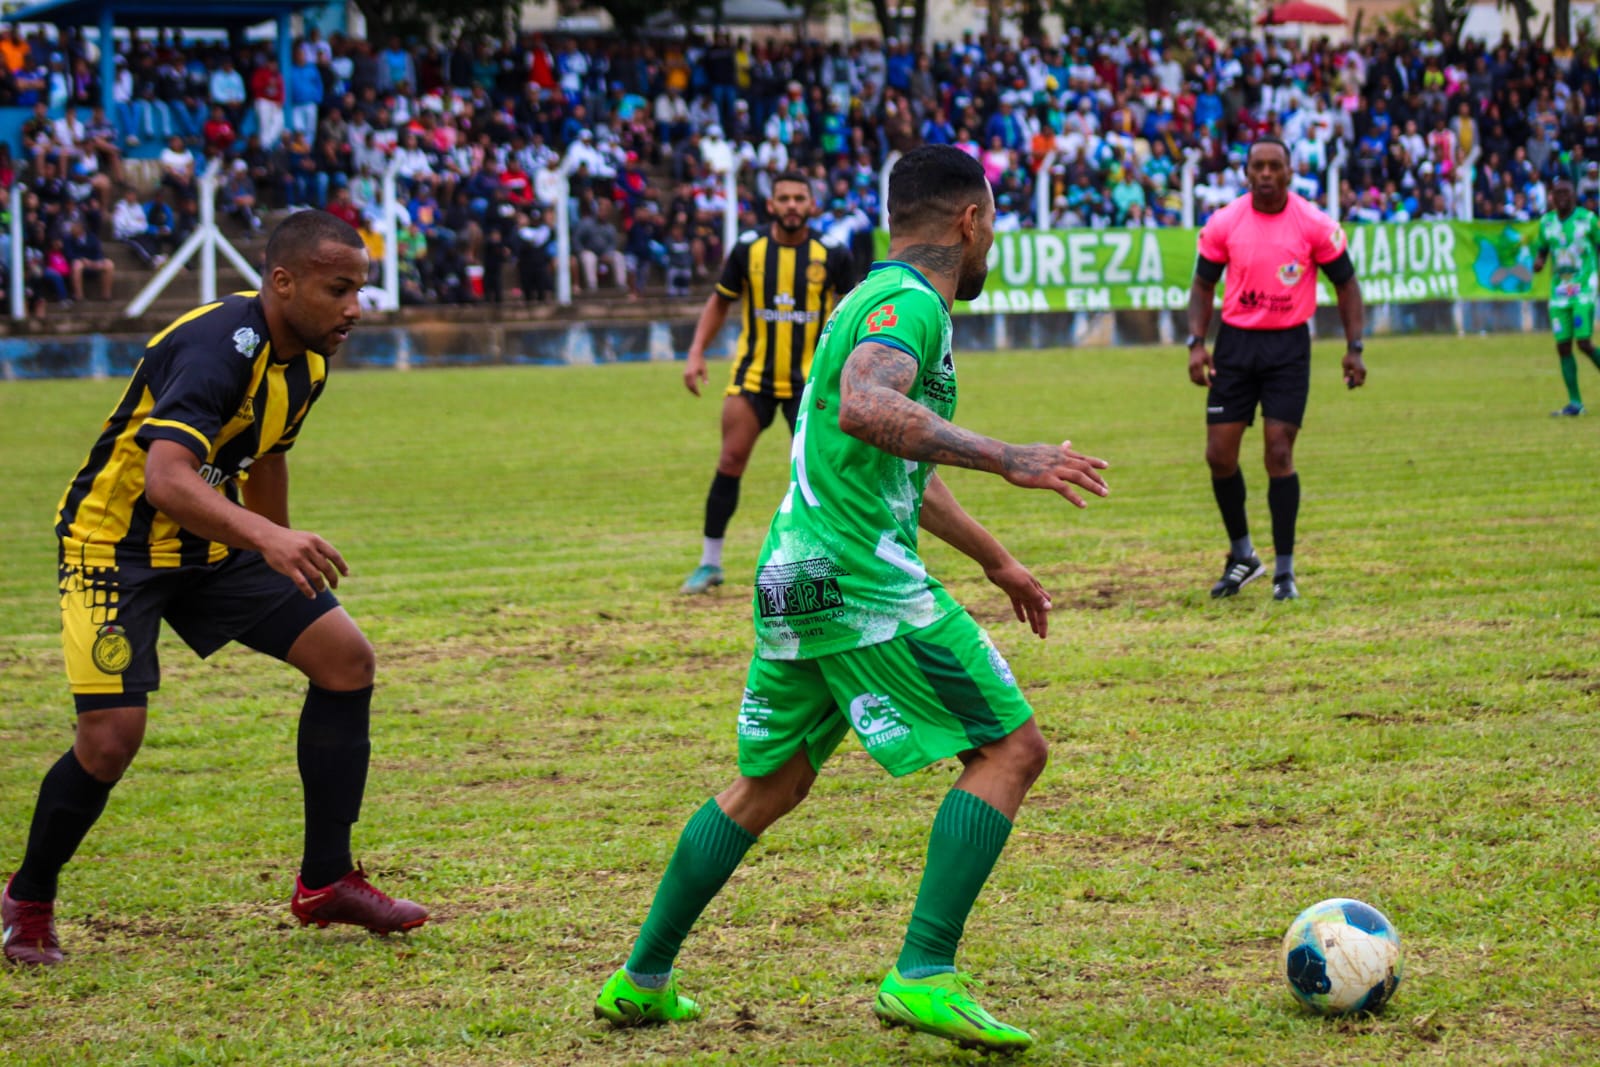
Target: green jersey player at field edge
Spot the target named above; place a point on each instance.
(1569, 236)
(853, 634)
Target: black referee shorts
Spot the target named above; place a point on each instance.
(1270, 368)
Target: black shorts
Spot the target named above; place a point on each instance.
(111, 618)
(1271, 368)
(767, 407)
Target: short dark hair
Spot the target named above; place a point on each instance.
(301, 234)
(792, 176)
(1268, 140)
(931, 184)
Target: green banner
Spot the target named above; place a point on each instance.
(1145, 269)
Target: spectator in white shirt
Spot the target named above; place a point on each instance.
(716, 151)
(773, 153)
(412, 161)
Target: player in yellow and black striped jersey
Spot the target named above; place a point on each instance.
(180, 514)
(787, 282)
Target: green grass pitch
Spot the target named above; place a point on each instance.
(1419, 731)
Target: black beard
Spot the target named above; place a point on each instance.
(970, 286)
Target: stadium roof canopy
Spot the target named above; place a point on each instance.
(222, 14)
(235, 16)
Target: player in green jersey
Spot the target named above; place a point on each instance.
(852, 633)
(1569, 235)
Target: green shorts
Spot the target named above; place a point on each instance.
(1574, 320)
(912, 701)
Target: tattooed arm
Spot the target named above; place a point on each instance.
(945, 519)
(874, 407)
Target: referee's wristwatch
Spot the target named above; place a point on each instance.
(1357, 346)
(1194, 339)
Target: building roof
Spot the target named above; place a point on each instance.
(159, 13)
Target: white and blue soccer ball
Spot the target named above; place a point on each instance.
(1342, 956)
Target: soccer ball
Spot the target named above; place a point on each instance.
(1342, 956)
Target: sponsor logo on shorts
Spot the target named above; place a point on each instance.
(1217, 410)
(876, 721)
(112, 652)
(753, 714)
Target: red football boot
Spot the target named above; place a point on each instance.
(353, 900)
(30, 930)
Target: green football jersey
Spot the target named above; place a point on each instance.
(839, 567)
(1570, 243)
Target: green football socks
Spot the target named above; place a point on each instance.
(1569, 374)
(709, 850)
(967, 837)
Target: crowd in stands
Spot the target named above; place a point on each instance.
(484, 133)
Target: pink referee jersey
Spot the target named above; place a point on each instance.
(1272, 261)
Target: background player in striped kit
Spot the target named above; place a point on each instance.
(787, 281)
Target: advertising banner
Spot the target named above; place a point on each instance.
(1150, 269)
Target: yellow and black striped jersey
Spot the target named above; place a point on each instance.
(210, 383)
(789, 292)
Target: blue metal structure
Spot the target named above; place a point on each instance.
(235, 16)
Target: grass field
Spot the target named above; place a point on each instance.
(1419, 731)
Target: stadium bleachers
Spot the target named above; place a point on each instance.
(481, 128)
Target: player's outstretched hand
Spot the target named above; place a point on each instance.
(694, 372)
(306, 559)
(1028, 598)
(1054, 467)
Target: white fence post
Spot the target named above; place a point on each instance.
(208, 225)
(19, 283)
(730, 206)
(1186, 175)
(564, 243)
(207, 240)
(1335, 170)
(1465, 208)
(1041, 193)
(391, 236)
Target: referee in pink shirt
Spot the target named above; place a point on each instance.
(1271, 243)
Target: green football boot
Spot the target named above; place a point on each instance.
(941, 1006)
(625, 1004)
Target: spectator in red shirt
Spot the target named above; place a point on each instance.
(218, 132)
(343, 207)
(515, 182)
(266, 87)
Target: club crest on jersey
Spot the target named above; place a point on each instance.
(245, 341)
(816, 273)
(1290, 273)
(112, 652)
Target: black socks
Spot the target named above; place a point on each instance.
(70, 800)
(721, 503)
(333, 749)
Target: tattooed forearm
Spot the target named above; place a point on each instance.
(933, 259)
(874, 407)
